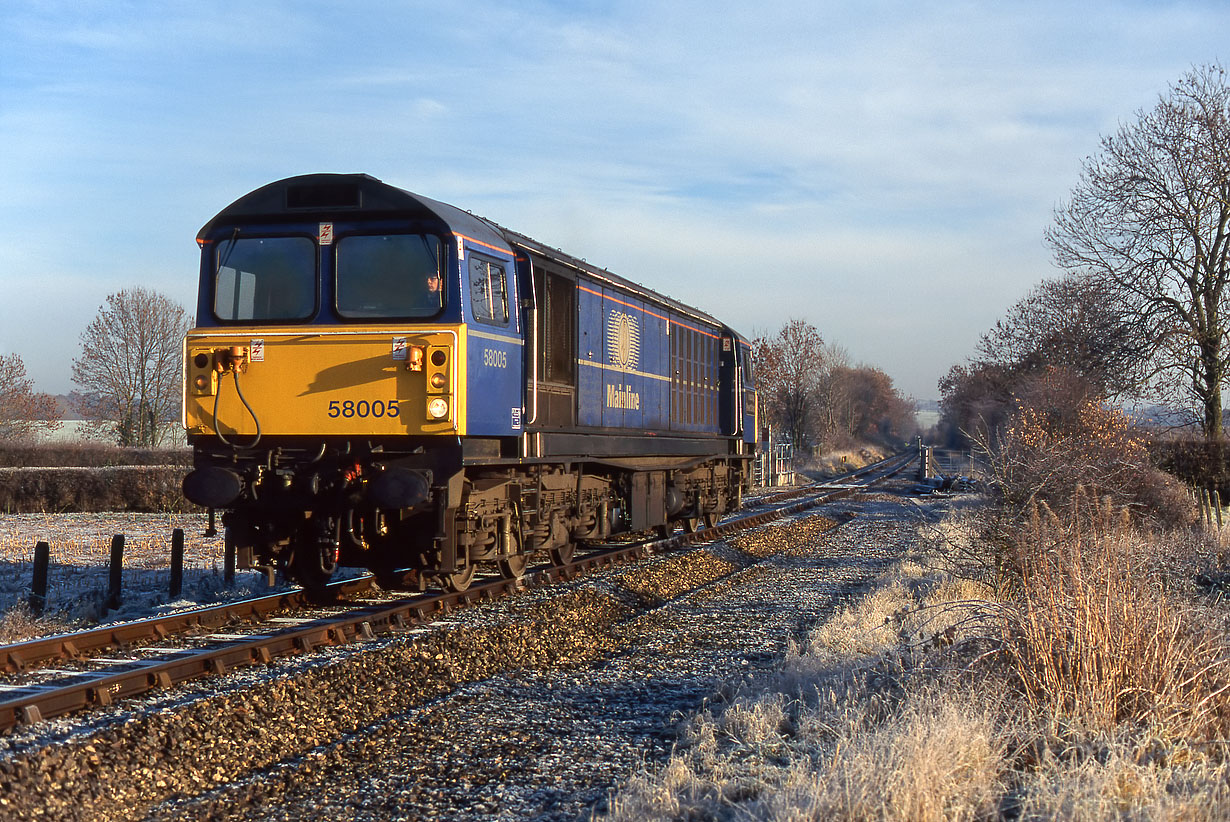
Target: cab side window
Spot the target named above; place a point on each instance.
(749, 383)
(488, 291)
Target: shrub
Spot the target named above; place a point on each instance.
(87, 455)
(118, 488)
(1060, 438)
(1198, 462)
(1093, 634)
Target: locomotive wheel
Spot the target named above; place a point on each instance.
(711, 520)
(514, 566)
(562, 555)
(564, 548)
(690, 524)
(458, 581)
(664, 531)
(312, 566)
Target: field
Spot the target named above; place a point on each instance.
(80, 555)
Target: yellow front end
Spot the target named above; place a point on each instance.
(313, 381)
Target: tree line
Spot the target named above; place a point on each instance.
(1140, 312)
(127, 377)
(811, 394)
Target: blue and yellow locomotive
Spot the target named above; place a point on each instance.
(377, 379)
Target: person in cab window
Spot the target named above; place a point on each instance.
(432, 296)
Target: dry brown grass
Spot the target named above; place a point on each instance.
(1094, 634)
(913, 606)
(1129, 779)
(833, 735)
(940, 757)
(20, 623)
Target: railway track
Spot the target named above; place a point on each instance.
(58, 675)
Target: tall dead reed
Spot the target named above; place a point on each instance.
(1093, 635)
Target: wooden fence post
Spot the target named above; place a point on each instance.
(228, 558)
(117, 571)
(177, 562)
(38, 586)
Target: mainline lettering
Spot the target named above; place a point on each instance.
(622, 396)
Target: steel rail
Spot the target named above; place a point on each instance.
(132, 678)
(32, 653)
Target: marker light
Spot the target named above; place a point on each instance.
(437, 380)
(437, 408)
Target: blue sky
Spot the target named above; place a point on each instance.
(883, 170)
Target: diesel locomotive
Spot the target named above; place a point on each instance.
(377, 379)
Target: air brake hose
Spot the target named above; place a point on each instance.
(244, 400)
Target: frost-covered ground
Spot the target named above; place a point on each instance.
(79, 572)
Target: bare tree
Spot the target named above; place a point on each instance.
(130, 368)
(872, 407)
(831, 396)
(1070, 322)
(976, 401)
(23, 411)
(1150, 221)
(789, 371)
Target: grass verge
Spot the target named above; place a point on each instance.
(1095, 688)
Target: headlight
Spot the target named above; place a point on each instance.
(437, 408)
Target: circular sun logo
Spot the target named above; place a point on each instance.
(623, 340)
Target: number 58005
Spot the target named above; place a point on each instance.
(362, 409)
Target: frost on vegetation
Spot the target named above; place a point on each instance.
(79, 572)
(913, 606)
(769, 757)
(936, 758)
(907, 705)
(836, 733)
(82, 602)
(19, 622)
(1127, 779)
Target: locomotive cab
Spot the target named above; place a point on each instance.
(323, 378)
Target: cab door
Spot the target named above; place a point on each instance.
(750, 427)
(494, 345)
(729, 388)
(551, 357)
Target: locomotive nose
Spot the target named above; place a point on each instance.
(212, 486)
(398, 487)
